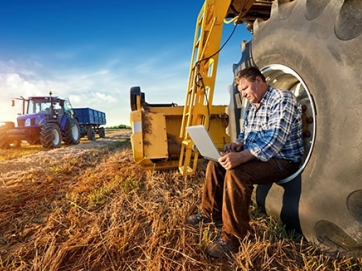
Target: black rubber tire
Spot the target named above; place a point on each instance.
(4, 127)
(15, 144)
(71, 133)
(91, 134)
(50, 136)
(102, 132)
(134, 92)
(321, 41)
(34, 141)
(4, 142)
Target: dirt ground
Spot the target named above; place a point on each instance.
(13, 170)
(35, 181)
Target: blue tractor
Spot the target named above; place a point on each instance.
(45, 120)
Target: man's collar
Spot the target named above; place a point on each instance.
(265, 97)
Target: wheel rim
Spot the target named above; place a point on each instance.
(283, 77)
(56, 137)
(75, 132)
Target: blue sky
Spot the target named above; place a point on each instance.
(94, 51)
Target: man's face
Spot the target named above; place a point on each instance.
(251, 90)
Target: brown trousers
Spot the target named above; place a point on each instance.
(227, 193)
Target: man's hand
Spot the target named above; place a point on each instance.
(233, 147)
(233, 159)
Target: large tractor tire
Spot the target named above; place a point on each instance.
(71, 133)
(313, 48)
(50, 136)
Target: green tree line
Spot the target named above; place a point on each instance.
(120, 126)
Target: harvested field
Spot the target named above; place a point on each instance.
(89, 207)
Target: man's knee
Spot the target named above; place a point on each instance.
(235, 177)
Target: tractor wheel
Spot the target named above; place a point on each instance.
(102, 132)
(50, 136)
(313, 48)
(4, 127)
(71, 134)
(33, 141)
(3, 142)
(15, 144)
(91, 134)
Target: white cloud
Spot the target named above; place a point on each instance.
(105, 84)
(105, 88)
(105, 97)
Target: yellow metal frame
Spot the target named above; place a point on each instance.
(202, 77)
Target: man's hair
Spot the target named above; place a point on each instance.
(249, 74)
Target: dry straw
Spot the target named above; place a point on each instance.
(96, 210)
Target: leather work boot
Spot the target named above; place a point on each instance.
(220, 248)
(196, 219)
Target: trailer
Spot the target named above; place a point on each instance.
(90, 121)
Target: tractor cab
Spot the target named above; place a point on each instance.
(38, 110)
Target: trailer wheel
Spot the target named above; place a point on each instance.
(91, 134)
(102, 132)
(50, 136)
(71, 134)
(319, 41)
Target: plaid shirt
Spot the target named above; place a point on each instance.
(273, 128)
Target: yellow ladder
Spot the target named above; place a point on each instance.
(201, 82)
